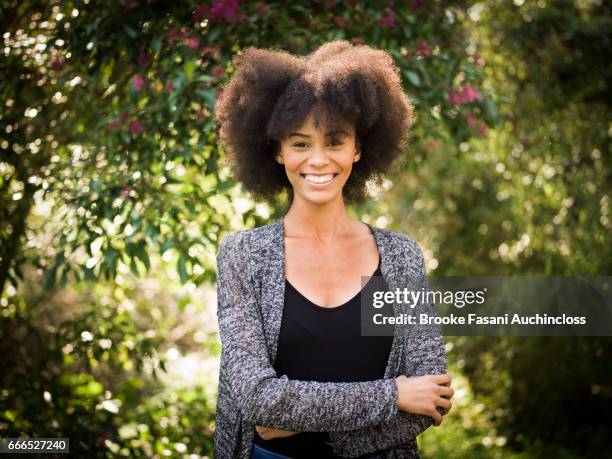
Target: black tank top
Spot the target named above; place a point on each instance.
(325, 344)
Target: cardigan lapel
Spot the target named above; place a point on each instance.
(269, 262)
(391, 270)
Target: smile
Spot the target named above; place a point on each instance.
(319, 179)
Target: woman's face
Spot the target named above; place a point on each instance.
(318, 162)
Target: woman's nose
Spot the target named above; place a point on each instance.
(318, 157)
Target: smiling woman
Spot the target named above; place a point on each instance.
(356, 89)
(318, 162)
(297, 377)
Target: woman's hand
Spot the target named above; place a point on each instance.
(422, 394)
(268, 433)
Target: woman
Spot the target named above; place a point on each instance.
(298, 378)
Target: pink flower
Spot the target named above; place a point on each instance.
(389, 19)
(169, 86)
(340, 21)
(218, 71)
(469, 94)
(192, 42)
(455, 97)
(56, 65)
(200, 116)
(174, 34)
(471, 120)
(423, 49)
(135, 127)
(114, 125)
(465, 96)
(212, 51)
(482, 129)
(138, 82)
(478, 60)
(225, 10)
(125, 191)
(200, 12)
(143, 60)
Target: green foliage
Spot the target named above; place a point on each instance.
(532, 198)
(90, 366)
(67, 377)
(109, 168)
(528, 383)
(173, 423)
(111, 104)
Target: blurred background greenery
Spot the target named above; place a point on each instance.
(114, 196)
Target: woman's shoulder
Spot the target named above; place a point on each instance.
(245, 240)
(399, 240)
(404, 246)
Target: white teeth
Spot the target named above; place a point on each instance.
(319, 178)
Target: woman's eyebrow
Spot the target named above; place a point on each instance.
(336, 131)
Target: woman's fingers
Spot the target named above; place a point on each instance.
(447, 391)
(444, 403)
(269, 433)
(437, 417)
(442, 379)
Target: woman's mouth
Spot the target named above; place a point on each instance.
(319, 180)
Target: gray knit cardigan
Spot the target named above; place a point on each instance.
(360, 417)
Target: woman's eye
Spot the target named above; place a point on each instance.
(332, 143)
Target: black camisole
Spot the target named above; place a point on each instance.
(325, 344)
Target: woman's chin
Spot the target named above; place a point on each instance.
(320, 197)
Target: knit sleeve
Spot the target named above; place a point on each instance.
(424, 354)
(279, 402)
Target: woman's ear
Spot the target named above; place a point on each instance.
(279, 159)
(357, 155)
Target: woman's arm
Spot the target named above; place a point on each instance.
(424, 354)
(425, 342)
(266, 399)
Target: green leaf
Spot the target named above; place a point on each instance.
(490, 108)
(182, 270)
(188, 69)
(134, 266)
(166, 245)
(64, 277)
(49, 278)
(110, 256)
(130, 32)
(156, 45)
(413, 77)
(141, 252)
(214, 34)
(183, 302)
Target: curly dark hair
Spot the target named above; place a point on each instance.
(271, 92)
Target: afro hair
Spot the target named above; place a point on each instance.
(272, 92)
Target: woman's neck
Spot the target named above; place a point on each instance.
(324, 222)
